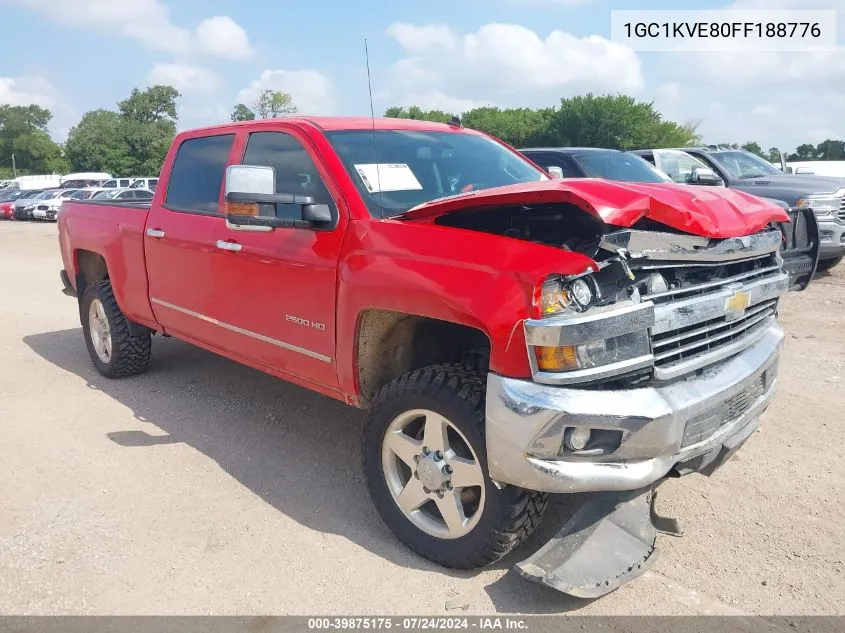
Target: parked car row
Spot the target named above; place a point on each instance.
(80, 180)
(37, 204)
(705, 166)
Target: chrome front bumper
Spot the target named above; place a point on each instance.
(832, 238)
(687, 426)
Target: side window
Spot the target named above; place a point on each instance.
(295, 171)
(152, 184)
(197, 174)
(678, 165)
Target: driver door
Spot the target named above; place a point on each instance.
(282, 296)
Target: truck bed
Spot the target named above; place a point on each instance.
(114, 231)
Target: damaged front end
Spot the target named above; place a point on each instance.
(656, 363)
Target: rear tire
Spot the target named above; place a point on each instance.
(827, 264)
(113, 350)
(493, 521)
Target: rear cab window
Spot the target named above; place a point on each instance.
(197, 174)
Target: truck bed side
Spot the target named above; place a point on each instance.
(114, 232)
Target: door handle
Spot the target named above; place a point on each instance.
(228, 246)
(157, 233)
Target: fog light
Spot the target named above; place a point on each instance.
(577, 438)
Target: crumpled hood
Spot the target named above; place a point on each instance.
(708, 211)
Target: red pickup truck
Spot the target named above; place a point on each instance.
(512, 335)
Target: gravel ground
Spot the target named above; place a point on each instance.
(204, 487)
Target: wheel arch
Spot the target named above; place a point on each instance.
(390, 343)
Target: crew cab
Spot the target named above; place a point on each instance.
(511, 335)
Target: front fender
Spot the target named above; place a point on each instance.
(465, 277)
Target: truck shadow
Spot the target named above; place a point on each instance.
(297, 450)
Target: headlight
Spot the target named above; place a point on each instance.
(559, 295)
(822, 203)
(595, 354)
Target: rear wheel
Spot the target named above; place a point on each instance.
(426, 468)
(827, 264)
(113, 350)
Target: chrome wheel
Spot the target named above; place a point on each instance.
(98, 326)
(433, 474)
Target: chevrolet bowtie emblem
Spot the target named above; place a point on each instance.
(736, 304)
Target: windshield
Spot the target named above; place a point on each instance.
(619, 166)
(8, 196)
(743, 164)
(396, 170)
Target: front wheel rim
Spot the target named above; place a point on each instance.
(433, 474)
(100, 330)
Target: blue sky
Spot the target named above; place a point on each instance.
(78, 55)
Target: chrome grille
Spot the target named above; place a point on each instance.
(700, 320)
(704, 425)
(841, 214)
(691, 341)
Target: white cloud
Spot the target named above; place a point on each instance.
(184, 77)
(312, 92)
(779, 99)
(507, 64)
(23, 91)
(148, 22)
(418, 39)
(221, 36)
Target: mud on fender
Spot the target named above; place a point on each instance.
(609, 541)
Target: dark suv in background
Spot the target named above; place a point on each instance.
(739, 169)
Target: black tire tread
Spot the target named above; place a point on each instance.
(522, 510)
(133, 352)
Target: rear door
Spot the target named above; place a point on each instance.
(282, 291)
(180, 236)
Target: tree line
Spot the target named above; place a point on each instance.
(134, 138)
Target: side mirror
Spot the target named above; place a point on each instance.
(316, 213)
(704, 176)
(249, 189)
(555, 172)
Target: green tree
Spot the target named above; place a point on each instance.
(830, 150)
(23, 132)
(155, 104)
(272, 103)
(616, 122)
(773, 155)
(417, 113)
(754, 148)
(519, 127)
(242, 113)
(97, 143)
(148, 125)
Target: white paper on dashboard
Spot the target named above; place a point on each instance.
(379, 177)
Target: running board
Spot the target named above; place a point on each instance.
(609, 541)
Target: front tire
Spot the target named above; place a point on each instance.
(113, 350)
(426, 468)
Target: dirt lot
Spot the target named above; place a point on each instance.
(206, 487)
